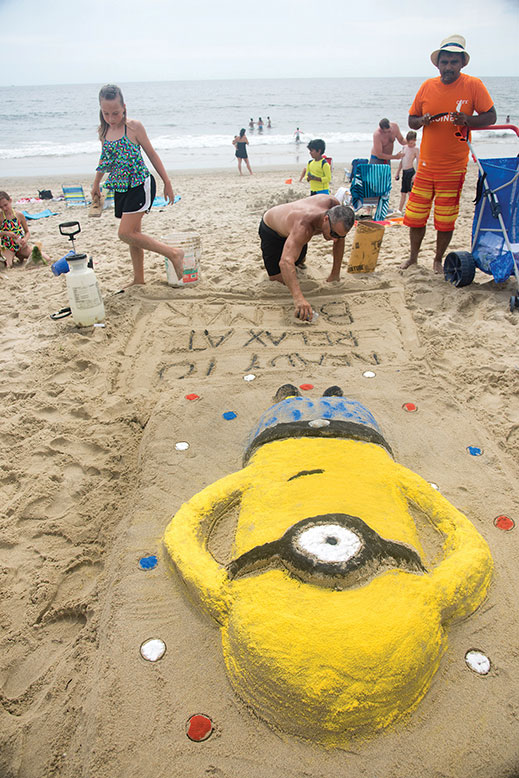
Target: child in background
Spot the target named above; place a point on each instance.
(318, 171)
(14, 232)
(133, 185)
(411, 153)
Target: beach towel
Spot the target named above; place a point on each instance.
(372, 185)
(160, 202)
(40, 215)
(74, 195)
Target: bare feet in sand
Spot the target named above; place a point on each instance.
(407, 264)
(438, 267)
(134, 283)
(176, 256)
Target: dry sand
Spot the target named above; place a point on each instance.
(91, 476)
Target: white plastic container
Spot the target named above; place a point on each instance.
(83, 292)
(189, 242)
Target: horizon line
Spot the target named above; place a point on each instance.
(249, 78)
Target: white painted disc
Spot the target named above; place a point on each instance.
(182, 446)
(369, 374)
(329, 543)
(249, 377)
(152, 650)
(434, 486)
(318, 423)
(478, 662)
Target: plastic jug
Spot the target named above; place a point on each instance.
(83, 292)
(189, 242)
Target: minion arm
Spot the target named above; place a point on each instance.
(463, 576)
(187, 535)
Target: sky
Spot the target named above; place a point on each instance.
(98, 41)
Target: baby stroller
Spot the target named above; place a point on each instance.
(495, 228)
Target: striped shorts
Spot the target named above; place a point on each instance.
(444, 189)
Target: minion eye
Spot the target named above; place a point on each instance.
(329, 543)
(334, 550)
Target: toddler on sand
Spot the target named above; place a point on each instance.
(14, 232)
(411, 153)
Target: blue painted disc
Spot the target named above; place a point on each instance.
(148, 562)
(474, 451)
(229, 415)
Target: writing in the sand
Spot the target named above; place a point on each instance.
(184, 368)
(205, 351)
(258, 338)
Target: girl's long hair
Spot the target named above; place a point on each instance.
(242, 132)
(108, 92)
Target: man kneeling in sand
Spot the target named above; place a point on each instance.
(285, 232)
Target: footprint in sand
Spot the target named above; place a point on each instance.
(30, 659)
(81, 367)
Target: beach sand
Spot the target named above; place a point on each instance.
(91, 477)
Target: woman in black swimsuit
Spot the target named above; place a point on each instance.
(240, 143)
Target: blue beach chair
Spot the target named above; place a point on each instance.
(74, 195)
(109, 198)
(350, 174)
(371, 185)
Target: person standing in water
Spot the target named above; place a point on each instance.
(133, 185)
(240, 143)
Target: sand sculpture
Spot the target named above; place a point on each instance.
(333, 621)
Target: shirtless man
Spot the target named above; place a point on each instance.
(383, 140)
(285, 232)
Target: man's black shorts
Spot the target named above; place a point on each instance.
(407, 177)
(138, 199)
(272, 246)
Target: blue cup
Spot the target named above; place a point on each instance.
(61, 265)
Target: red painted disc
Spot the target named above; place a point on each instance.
(192, 397)
(306, 387)
(199, 727)
(409, 407)
(504, 522)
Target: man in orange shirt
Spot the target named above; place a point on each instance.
(443, 106)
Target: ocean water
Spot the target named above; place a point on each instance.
(52, 130)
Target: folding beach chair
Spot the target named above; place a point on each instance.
(109, 198)
(74, 195)
(349, 174)
(371, 185)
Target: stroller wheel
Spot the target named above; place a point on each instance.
(459, 268)
(514, 302)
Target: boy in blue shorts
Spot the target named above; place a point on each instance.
(407, 168)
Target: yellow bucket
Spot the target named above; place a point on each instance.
(366, 245)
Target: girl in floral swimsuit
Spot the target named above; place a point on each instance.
(133, 185)
(14, 232)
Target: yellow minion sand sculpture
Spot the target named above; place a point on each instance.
(332, 624)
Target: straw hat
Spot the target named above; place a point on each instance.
(454, 43)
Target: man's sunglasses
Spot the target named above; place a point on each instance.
(333, 234)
